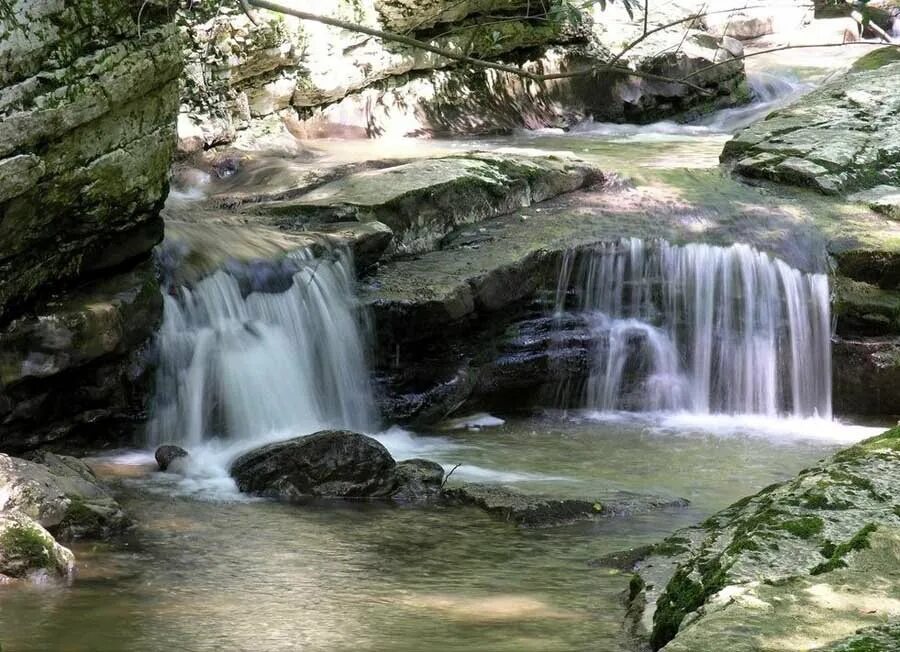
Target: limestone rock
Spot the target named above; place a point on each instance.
(418, 480)
(28, 552)
(825, 140)
(412, 15)
(758, 574)
(61, 494)
(422, 201)
(85, 140)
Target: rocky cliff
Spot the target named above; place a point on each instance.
(88, 98)
(325, 81)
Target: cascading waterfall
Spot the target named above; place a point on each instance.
(700, 328)
(245, 364)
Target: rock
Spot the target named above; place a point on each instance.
(412, 15)
(418, 480)
(824, 140)
(85, 141)
(866, 373)
(881, 199)
(61, 494)
(422, 201)
(865, 309)
(759, 20)
(332, 463)
(168, 455)
(95, 334)
(28, 552)
(799, 561)
(529, 510)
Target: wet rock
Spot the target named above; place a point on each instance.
(332, 463)
(418, 480)
(168, 455)
(882, 199)
(28, 552)
(61, 494)
(759, 20)
(801, 560)
(866, 374)
(74, 369)
(532, 510)
(824, 141)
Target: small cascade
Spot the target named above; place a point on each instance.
(699, 328)
(253, 354)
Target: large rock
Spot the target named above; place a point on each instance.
(422, 201)
(28, 552)
(85, 142)
(61, 494)
(801, 565)
(74, 367)
(334, 464)
(866, 375)
(413, 15)
(825, 140)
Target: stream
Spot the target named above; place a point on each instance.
(208, 569)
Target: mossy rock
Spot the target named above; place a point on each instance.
(28, 551)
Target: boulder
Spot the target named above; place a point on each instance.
(28, 552)
(332, 463)
(61, 494)
(758, 20)
(412, 15)
(825, 140)
(418, 480)
(168, 455)
(802, 561)
(535, 510)
(866, 375)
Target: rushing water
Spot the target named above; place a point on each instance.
(264, 352)
(706, 329)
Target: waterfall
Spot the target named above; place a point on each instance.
(699, 328)
(252, 354)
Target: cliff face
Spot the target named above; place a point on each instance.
(325, 81)
(88, 99)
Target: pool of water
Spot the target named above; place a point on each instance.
(207, 570)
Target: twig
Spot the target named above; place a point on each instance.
(447, 477)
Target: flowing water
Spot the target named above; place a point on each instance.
(253, 354)
(707, 329)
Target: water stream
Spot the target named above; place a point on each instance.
(728, 391)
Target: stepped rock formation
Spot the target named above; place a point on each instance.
(87, 113)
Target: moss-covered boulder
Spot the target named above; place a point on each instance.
(838, 139)
(28, 552)
(61, 494)
(800, 565)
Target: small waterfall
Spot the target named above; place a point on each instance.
(700, 328)
(253, 354)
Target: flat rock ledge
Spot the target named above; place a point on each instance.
(537, 510)
(803, 565)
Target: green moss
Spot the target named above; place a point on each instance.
(635, 586)
(682, 596)
(876, 59)
(836, 553)
(29, 546)
(804, 527)
(813, 499)
(857, 482)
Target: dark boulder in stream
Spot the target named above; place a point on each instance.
(334, 464)
(167, 454)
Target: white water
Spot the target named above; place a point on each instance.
(704, 329)
(769, 92)
(239, 369)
